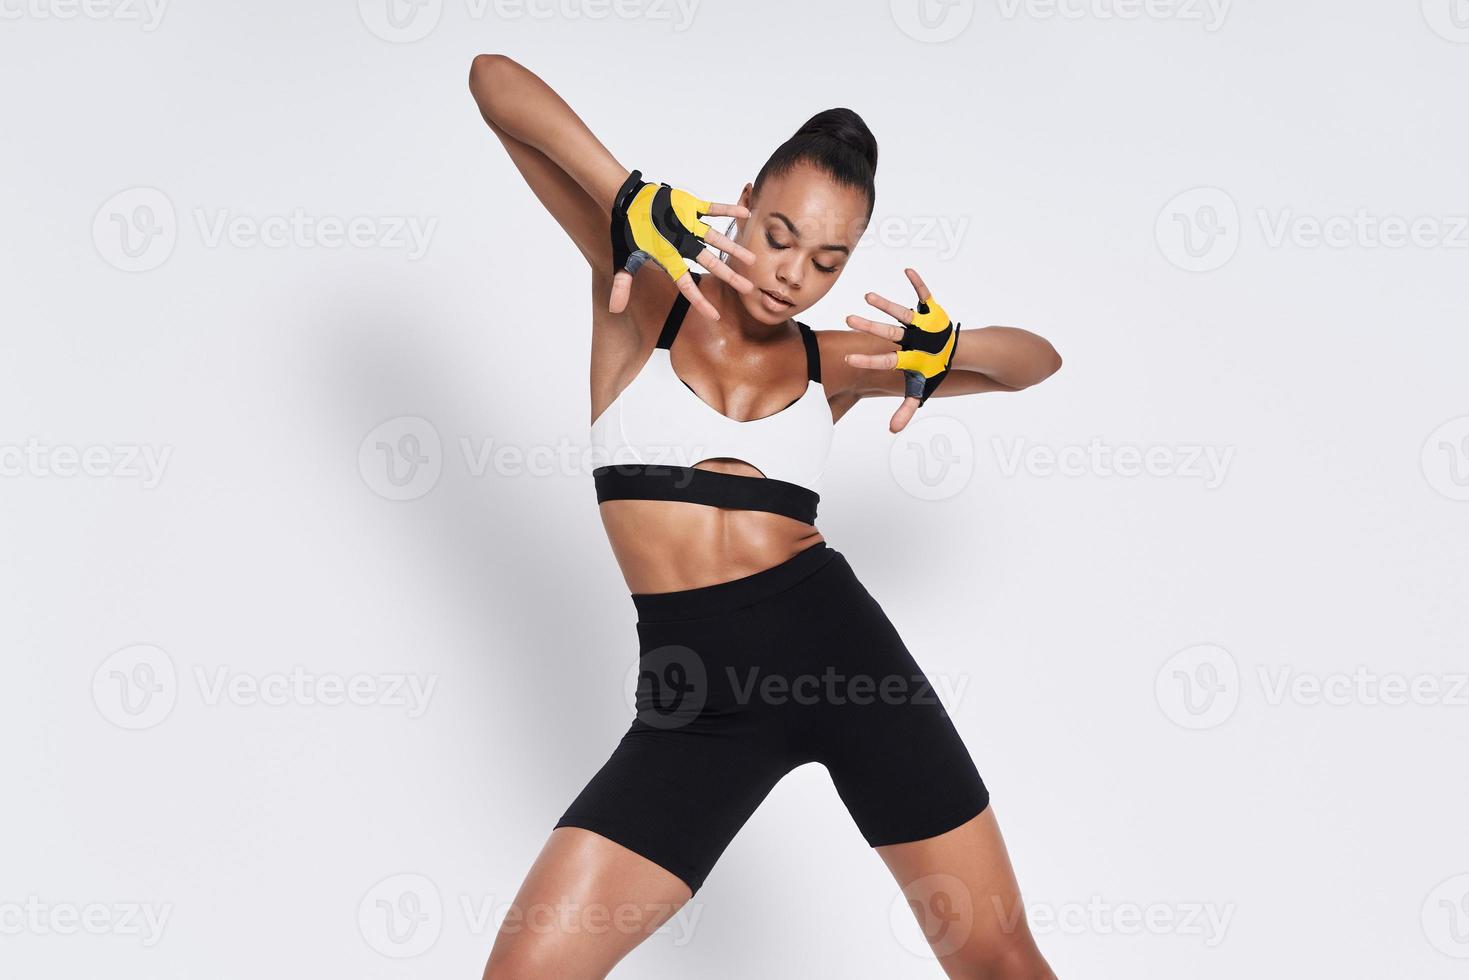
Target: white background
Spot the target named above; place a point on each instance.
(1120, 640)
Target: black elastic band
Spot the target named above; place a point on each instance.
(654, 481)
(675, 317)
(813, 352)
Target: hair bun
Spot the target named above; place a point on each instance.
(846, 127)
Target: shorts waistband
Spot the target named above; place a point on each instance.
(711, 600)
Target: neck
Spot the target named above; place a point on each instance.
(732, 313)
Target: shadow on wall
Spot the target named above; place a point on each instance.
(512, 555)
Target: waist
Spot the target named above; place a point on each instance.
(664, 547)
(722, 597)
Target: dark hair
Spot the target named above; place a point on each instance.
(838, 142)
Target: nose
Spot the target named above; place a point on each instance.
(789, 273)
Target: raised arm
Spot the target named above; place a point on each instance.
(566, 166)
(617, 220)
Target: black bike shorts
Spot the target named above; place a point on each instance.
(742, 681)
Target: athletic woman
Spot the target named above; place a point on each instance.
(759, 648)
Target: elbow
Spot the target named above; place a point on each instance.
(484, 74)
(1051, 366)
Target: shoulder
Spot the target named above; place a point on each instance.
(837, 376)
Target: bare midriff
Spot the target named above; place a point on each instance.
(669, 545)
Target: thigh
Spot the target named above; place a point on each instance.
(586, 903)
(962, 889)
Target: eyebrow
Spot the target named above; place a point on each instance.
(788, 223)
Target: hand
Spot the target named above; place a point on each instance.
(662, 223)
(927, 341)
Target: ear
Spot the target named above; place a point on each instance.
(746, 197)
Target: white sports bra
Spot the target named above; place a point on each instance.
(657, 428)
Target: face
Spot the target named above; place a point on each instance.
(803, 227)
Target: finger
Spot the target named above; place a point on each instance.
(685, 284)
(918, 285)
(709, 259)
(621, 289)
(897, 311)
(903, 415)
(884, 330)
(728, 211)
(726, 244)
(877, 362)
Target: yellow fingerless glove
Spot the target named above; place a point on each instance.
(927, 349)
(658, 222)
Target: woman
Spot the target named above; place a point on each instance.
(760, 650)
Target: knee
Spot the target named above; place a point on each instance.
(525, 958)
(1012, 959)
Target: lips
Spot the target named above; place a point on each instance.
(777, 297)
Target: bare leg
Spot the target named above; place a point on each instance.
(586, 903)
(962, 888)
